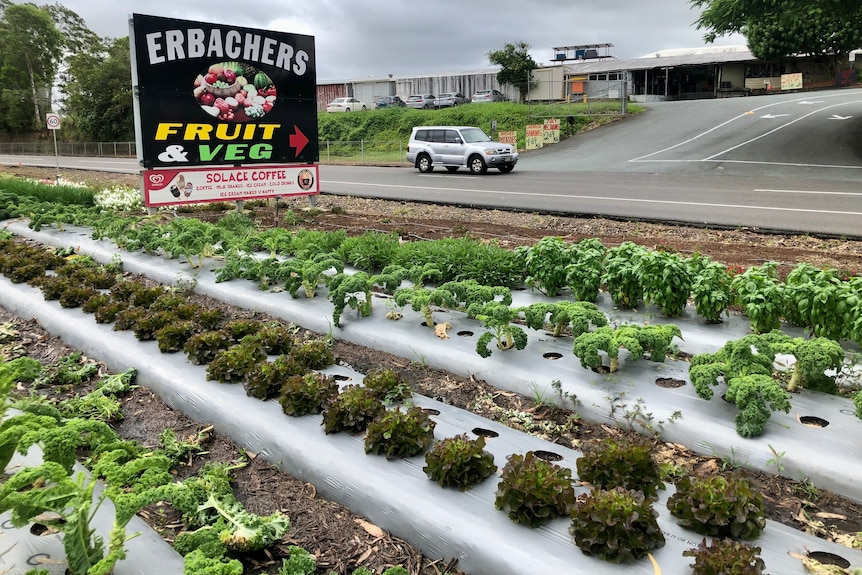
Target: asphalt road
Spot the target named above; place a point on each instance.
(783, 162)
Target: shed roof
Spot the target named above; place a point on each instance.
(666, 59)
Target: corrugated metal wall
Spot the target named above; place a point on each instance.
(328, 92)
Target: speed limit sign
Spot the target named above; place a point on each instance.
(53, 121)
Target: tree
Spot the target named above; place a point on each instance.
(31, 45)
(517, 66)
(98, 92)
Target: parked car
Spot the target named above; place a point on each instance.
(487, 96)
(421, 101)
(450, 99)
(346, 105)
(455, 147)
(388, 102)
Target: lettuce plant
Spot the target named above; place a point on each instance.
(234, 363)
(351, 410)
(616, 525)
(718, 506)
(725, 557)
(387, 385)
(313, 354)
(459, 462)
(629, 464)
(306, 393)
(173, 337)
(202, 348)
(396, 433)
(533, 491)
(265, 379)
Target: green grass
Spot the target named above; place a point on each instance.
(343, 137)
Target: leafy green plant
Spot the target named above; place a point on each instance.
(102, 403)
(246, 532)
(299, 562)
(308, 393)
(309, 273)
(746, 366)
(666, 279)
(265, 379)
(711, 290)
(202, 348)
(584, 274)
(725, 557)
(718, 506)
(65, 503)
(396, 433)
(857, 403)
(387, 385)
(775, 460)
(579, 316)
(637, 339)
(351, 410)
(498, 317)
(621, 277)
(459, 462)
(545, 264)
(814, 357)
(626, 463)
(233, 364)
(616, 525)
(533, 491)
(70, 370)
(313, 354)
(350, 290)
(421, 299)
(370, 251)
(761, 295)
(174, 336)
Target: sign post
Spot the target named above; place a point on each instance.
(53, 121)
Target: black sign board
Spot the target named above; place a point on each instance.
(213, 94)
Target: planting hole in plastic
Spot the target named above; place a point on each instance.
(465, 333)
(430, 411)
(848, 412)
(669, 382)
(813, 421)
(38, 530)
(548, 455)
(481, 431)
(552, 355)
(829, 559)
(340, 377)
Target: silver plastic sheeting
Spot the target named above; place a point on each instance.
(394, 494)
(829, 457)
(22, 550)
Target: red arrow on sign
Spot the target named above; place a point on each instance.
(298, 140)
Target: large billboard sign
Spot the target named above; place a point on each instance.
(211, 94)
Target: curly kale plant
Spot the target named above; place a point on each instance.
(387, 385)
(746, 366)
(246, 532)
(306, 394)
(725, 557)
(579, 316)
(628, 464)
(421, 299)
(498, 317)
(814, 357)
(637, 339)
(533, 491)
(396, 433)
(351, 410)
(459, 462)
(309, 273)
(616, 525)
(350, 290)
(718, 506)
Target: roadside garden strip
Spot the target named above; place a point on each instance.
(631, 393)
(392, 493)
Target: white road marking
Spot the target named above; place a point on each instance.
(603, 198)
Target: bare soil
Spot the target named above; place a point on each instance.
(343, 541)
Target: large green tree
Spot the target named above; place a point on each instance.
(30, 50)
(516, 66)
(778, 29)
(98, 93)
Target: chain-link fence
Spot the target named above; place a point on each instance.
(376, 152)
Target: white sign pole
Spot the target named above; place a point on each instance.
(53, 121)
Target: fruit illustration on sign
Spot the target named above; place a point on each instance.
(225, 92)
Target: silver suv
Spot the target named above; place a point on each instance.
(456, 147)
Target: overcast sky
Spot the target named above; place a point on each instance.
(361, 38)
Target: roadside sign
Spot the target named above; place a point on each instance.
(551, 131)
(53, 121)
(534, 136)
